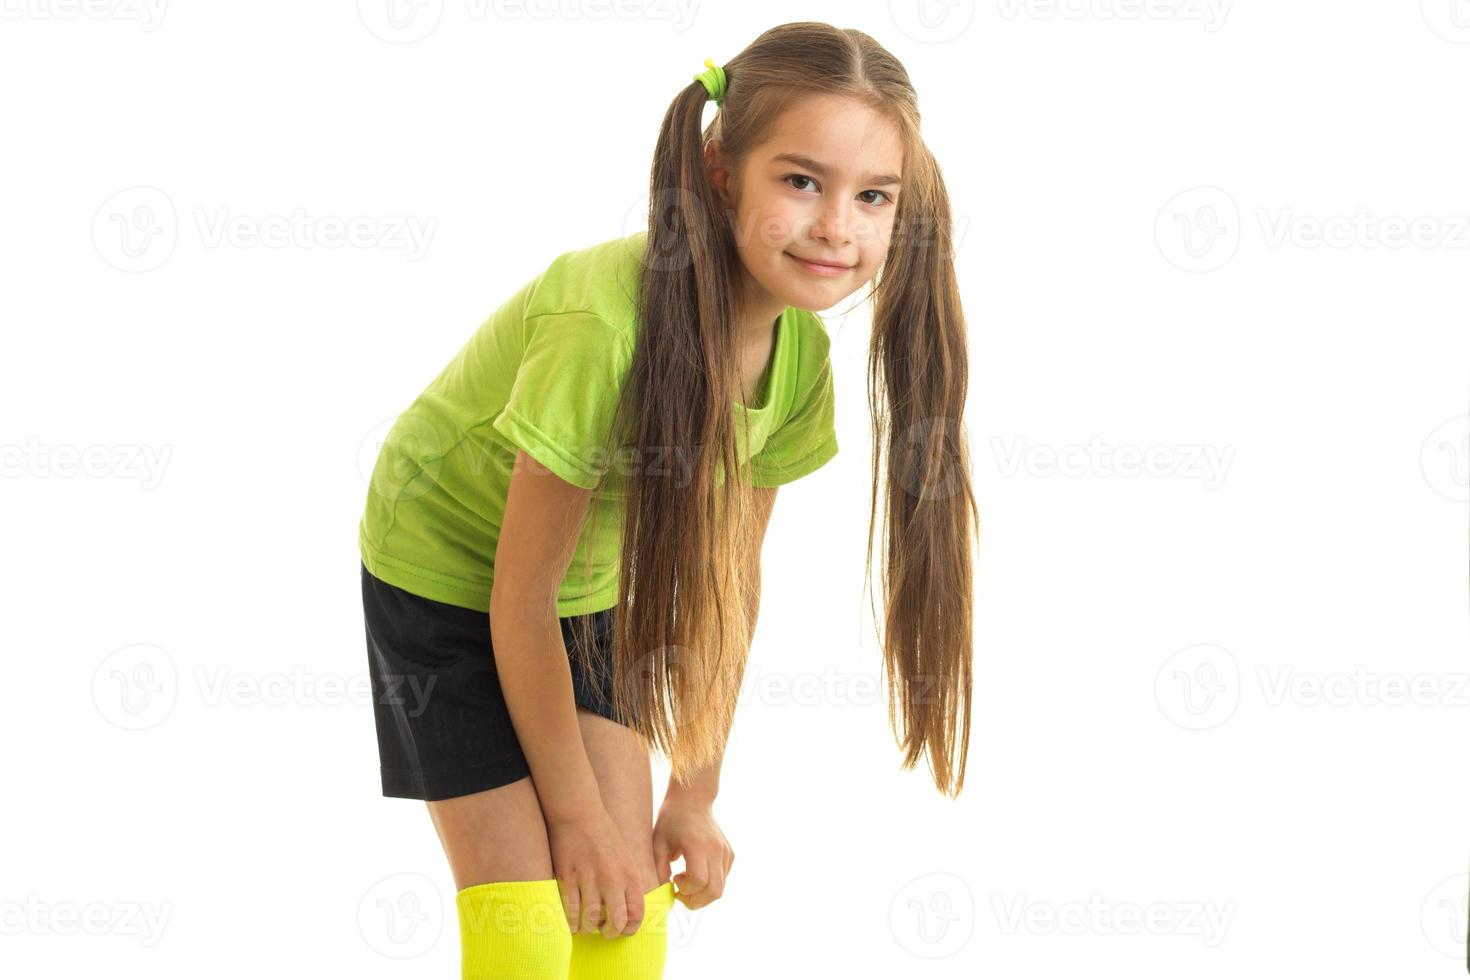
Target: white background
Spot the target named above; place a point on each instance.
(1219, 703)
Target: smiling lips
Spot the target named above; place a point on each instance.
(820, 268)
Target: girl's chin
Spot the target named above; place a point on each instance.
(809, 297)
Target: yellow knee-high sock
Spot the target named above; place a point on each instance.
(513, 930)
(636, 957)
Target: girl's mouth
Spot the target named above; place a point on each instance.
(819, 268)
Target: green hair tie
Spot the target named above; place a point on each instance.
(713, 79)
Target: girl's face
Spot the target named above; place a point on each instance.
(813, 206)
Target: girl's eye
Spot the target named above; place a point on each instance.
(887, 198)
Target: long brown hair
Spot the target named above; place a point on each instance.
(681, 629)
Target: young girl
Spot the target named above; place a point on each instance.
(525, 665)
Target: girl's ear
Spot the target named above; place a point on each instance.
(719, 177)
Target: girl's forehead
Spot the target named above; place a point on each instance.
(840, 131)
(811, 114)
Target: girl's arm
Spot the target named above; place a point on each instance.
(543, 518)
(595, 871)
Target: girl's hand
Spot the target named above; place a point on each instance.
(596, 874)
(686, 828)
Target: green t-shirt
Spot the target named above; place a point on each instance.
(543, 374)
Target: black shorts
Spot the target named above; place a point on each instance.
(443, 727)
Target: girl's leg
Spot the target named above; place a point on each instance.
(512, 923)
(626, 784)
(511, 920)
(497, 835)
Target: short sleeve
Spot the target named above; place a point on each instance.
(564, 397)
(804, 442)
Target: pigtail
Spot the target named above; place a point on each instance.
(917, 377)
(682, 625)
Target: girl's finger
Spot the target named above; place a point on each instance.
(716, 886)
(694, 879)
(661, 858)
(636, 909)
(570, 902)
(592, 910)
(616, 917)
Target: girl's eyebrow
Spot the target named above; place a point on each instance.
(822, 170)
